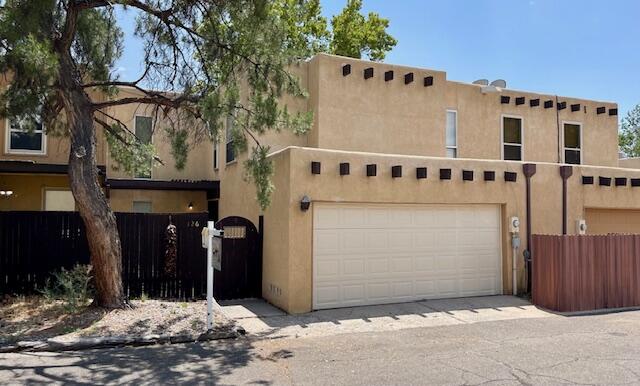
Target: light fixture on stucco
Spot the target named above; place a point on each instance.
(191, 206)
(305, 203)
(6, 193)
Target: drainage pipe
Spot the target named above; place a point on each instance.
(514, 274)
(565, 173)
(529, 170)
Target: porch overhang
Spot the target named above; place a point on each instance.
(212, 188)
(32, 167)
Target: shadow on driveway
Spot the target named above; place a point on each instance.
(263, 320)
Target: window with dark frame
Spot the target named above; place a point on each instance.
(230, 153)
(572, 143)
(512, 138)
(215, 154)
(144, 132)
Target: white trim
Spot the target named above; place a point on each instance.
(135, 121)
(564, 149)
(7, 142)
(502, 143)
(455, 147)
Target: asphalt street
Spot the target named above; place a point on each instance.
(600, 349)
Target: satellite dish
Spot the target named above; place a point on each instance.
(499, 83)
(489, 89)
(482, 82)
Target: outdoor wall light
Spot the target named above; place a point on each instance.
(191, 206)
(305, 203)
(6, 193)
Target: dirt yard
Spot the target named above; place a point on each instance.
(31, 318)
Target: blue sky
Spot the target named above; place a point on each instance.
(581, 48)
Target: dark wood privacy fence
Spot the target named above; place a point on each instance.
(33, 244)
(579, 273)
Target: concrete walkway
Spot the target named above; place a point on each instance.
(263, 320)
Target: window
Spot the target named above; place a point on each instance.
(452, 134)
(229, 138)
(25, 135)
(216, 151)
(144, 131)
(59, 200)
(511, 138)
(141, 207)
(572, 143)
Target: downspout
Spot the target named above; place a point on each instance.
(529, 170)
(565, 172)
(558, 127)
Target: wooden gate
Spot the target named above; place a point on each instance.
(241, 274)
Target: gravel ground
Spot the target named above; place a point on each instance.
(33, 318)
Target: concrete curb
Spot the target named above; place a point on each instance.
(599, 311)
(56, 345)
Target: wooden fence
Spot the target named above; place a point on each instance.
(580, 273)
(33, 244)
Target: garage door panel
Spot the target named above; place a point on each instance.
(327, 268)
(424, 263)
(371, 254)
(425, 288)
(424, 238)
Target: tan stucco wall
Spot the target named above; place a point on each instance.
(630, 163)
(287, 274)
(162, 201)
(199, 164)
(390, 117)
(28, 190)
(603, 221)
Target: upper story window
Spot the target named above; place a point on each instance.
(144, 132)
(511, 138)
(572, 143)
(216, 151)
(231, 156)
(25, 136)
(452, 134)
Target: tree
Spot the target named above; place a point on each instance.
(354, 35)
(629, 137)
(212, 59)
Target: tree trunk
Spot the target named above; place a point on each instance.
(99, 220)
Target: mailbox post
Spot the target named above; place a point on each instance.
(211, 239)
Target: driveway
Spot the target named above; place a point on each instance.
(263, 320)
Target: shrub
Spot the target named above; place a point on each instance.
(73, 287)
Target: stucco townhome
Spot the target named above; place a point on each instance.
(413, 180)
(404, 188)
(33, 167)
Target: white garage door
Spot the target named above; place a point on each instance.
(373, 254)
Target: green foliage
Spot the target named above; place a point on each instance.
(355, 35)
(212, 59)
(260, 169)
(179, 146)
(629, 136)
(73, 287)
(129, 153)
(98, 44)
